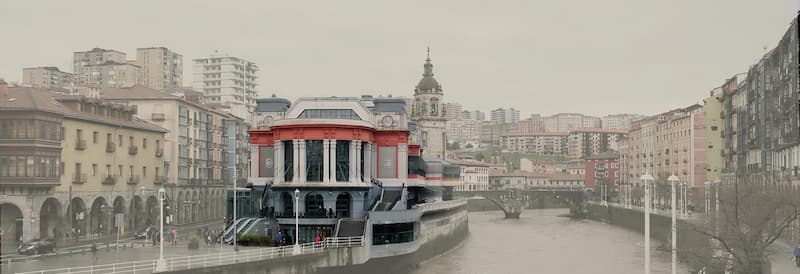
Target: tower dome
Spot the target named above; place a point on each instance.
(428, 84)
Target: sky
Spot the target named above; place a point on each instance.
(543, 56)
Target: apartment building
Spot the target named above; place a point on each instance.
(619, 121)
(566, 122)
(474, 175)
(95, 56)
(110, 74)
(72, 162)
(505, 116)
(161, 68)
(531, 124)
(544, 143)
(46, 77)
(229, 81)
(587, 142)
(196, 145)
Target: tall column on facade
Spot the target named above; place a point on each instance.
(254, 154)
(367, 162)
(353, 163)
(358, 161)
(326, 159)
(301, 163)
(402, 164)
(296, 161)
(278, 162)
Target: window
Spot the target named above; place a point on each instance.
(77, 169)
(130, 140)
(94, 169)
(108, 170)
(342, 161)
(79, 134)
(120, 140)
(156, 174)
(288, 161)
(119, 170)
(131, 170)
(313, 160)
(144, 171)
(144, 143)
(329, 114)
(94, 137)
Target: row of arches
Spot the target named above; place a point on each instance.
(95, 216)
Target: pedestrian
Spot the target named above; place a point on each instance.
(174, 237)
(797, 255)
(280, 238)
(317, 240)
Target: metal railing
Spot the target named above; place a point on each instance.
(426, 207)
(210, 260)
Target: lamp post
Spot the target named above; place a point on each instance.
(646, 180)
(673, 180)
(296, 249)
(161, 264)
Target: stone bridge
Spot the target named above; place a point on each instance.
(513, 201)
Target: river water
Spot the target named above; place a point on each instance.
(543, 242)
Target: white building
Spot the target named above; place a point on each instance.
(474, 176)
(619, 121)
(505, 116)
(227, 80)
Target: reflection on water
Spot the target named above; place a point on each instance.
(542, 242)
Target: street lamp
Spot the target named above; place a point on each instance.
(296, 250)
(673, 180)
(646, 180)
(161, 264)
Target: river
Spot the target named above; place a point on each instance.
(543, 242)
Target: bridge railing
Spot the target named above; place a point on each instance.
(427, 207)
(210, 260)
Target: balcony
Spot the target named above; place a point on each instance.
(159, 152)
(157, 117)
(109, 179)
(133, 150)
(80, 144)
(133, 179)
(160, 180)
(111, 147)
(79, 178)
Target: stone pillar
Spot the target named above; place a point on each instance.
(358, 162)
(301, 164)
(278, 162)
(367, 162)
(326, 159)
(254, 154)
(402, 163)
(352, 160)
(295, 160)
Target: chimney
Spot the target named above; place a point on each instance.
(3, 87)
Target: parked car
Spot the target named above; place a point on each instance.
(37, 246)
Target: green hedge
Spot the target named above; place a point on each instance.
(254, 240)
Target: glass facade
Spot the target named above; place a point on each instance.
(288, 161)
(343, 205)
(314, 206)
(288, 204)
(392, 233)
(348, 114)
(29, 166)
(30, 129)
(342, 161)
(314, 160)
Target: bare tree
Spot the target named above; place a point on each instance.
(753, 214)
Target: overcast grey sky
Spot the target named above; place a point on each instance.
(545, 56)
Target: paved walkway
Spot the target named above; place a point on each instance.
(780, 252)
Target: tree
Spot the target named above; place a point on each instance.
(753, 214)
(469, 145)
(480, 157)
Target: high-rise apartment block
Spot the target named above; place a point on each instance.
(505, 116)
(452, 111)
(227, 80)
(566, 122)
(46, 77)
(619, 121)
(587, 142)
(161, 68)
(531, 125)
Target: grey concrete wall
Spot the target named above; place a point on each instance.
(690, 240)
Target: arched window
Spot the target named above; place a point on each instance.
(288, 204)
(315, 207)
(343, 205)
(434, 106)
